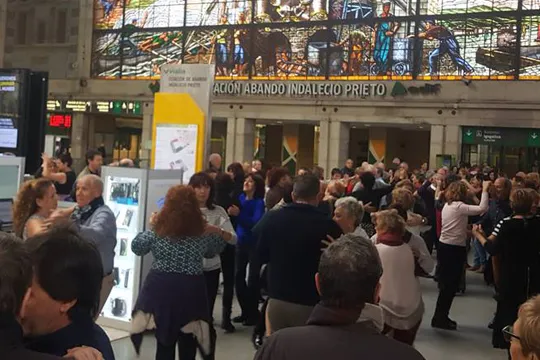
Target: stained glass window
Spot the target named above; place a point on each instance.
(530, 49)
(375, 50)
(441, 7)
(227, 48)
(290, 52)
(304, 39)
(479, 48)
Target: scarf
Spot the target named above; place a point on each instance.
(81, 214)
(390, 239)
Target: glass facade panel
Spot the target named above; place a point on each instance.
(320, 39)
(473, 47)
(290, 52)
(530, 48)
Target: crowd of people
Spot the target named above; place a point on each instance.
(321, 265)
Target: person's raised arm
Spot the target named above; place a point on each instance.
(472, 210)
(60, 177)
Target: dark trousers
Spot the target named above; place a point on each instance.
(187, 348)
(247, 292)
(404, 336)
(212, 285)
(228, 269)
(430, 238)
(260, 328)
(451, 261)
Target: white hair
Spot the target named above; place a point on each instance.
(353, 207)
(94, 181)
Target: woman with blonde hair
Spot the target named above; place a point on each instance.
(401, 295)
(524, 334)
(452, 248)
(35, 202)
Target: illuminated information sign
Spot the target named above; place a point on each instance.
(104, 107)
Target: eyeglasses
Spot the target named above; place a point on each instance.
(508, 333)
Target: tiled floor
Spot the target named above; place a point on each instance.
(472, 341)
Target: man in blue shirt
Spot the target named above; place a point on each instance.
(64, 294)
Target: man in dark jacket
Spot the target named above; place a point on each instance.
(290, 243)
(15, 280)
(15, 295)
(348, 278)
(65, 294)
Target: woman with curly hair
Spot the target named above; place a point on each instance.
(35, 201)
(173, 298)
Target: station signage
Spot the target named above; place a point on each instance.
(60, 120)
(117, 107)
(514, 137)
(297, 89)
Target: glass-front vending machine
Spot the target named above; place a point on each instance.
(125, 195)
(128, 192)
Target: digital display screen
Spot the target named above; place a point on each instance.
(9, 94)
(8, 133)
(60, 120)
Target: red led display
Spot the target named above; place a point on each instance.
(60, 120)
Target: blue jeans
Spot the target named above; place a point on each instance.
(480, 255)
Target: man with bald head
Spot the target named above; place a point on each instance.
(97, 223)
(214, 162)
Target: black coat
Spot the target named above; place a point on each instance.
(290, 242)
(331, 334)
(11, 342)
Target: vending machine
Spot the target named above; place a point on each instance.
(126, 193)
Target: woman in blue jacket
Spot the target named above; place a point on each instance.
(249, 213)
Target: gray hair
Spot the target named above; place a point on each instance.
(349, 272)
(94, 181)
(353, 207)
(430, 174)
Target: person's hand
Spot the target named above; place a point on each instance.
(414, 219)
(211, 229)
(153, 219)
(477, 230)
(389, 33)
(370, 208)
(233, 210)
(84, 353)
(328, 241)
(486, 185)
(58, 215)
(46, 159)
